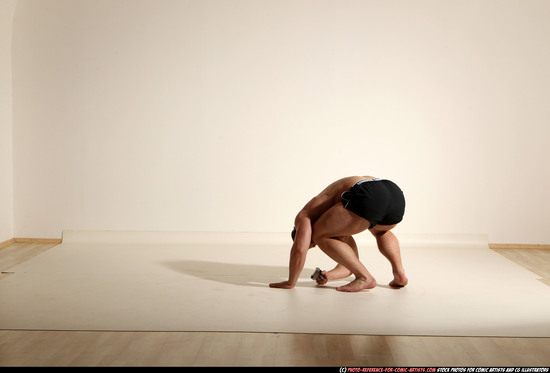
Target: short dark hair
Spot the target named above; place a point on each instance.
(293, 234)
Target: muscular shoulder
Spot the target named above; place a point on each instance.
(327, 198)
(339, 186)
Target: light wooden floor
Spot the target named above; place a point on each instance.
(85, 348)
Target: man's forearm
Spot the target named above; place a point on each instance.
(300, 248)
(297, 262)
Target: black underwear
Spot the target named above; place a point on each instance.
(379, 201)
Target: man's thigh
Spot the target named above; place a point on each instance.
(338, 221)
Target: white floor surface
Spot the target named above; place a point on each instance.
(206, 282)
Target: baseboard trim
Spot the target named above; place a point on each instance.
(38, 240)
(30, 240)
(6, 243)
(517, 246)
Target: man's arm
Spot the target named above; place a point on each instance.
(302, 242)
(300, 247)
(298, 252)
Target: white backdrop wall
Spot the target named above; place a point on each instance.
(202, 115)
(7, 8)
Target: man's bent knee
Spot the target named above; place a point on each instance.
(379, 230)
(321, 239)
(317, 238)
(320, 236)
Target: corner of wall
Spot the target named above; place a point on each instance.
(7, 13)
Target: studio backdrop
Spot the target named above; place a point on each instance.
(229, 115)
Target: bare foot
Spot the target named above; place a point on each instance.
(282, 285)
(357, 285)
(399, 281)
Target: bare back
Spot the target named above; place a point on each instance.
(330, 196)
